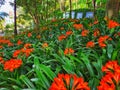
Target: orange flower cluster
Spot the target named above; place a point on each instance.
(112, 77)
(54, 20)
(1, 60)
(74, 20)
(68, 51)
(62, 82)
(95, 22)
(96, 33)
(44, 28)
(19, 42)
(38, 36)
(65, 23)
(62, 36)
(102, 40)
(69, 32)
(12, 64)
(16, 53)
(5, 41)
(84, 33)
(25, 50)
(29, 34)
(62, 28)
(90, 44)
(44, 45)
(78, 26)
(112, 24)
(1, 47)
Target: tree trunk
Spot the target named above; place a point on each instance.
(62, 5)
(94, 6)
(112, 9)
(70, 8)
(15, 23)
(55, 9)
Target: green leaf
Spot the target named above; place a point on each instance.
(47, 71)
(87, 63)
(109, 50)
(93, 83)
(42, 80)
(27, 82)
(68, 67)
(75, 59)
(114, 54)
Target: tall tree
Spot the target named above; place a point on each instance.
(36, 9)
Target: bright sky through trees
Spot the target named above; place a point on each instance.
(6, 7)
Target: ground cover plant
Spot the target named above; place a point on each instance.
(68, 54)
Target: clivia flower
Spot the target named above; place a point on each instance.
(68, 51)
(112, 24)
(63, 82)
(102, 40)
(61, 37)
(111, 80)
(84, 33)
(78, 26)
(90, 44)
(12, 64)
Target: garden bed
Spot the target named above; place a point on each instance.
(68, 54)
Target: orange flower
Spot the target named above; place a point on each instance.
(65, 23)
(112, 24)
(44, 28)
(90, 44)
(10, 44)
(78, 26)
(110, 66)
(27, 52)
(62, 82)
(112, 77)
(79, 84)
(96, 33)
(95, 22)
(29, 34)
(68, 51)
(1, 47)
(19, 42)
(61, 37)
(44, 45)
(1, 60)
(106, 83)
(38, 36)
(56, 25)
(102, 40)
(27, 45)
(69, 32)
(61, 28)
(84, 33)
(53, 20)
(12, 64)
(16, 53)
